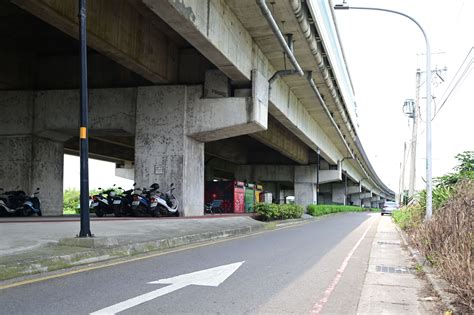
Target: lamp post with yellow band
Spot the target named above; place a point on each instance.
(83, 137)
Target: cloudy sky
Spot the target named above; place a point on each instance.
(383, 52)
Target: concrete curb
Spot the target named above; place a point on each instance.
(439, 285)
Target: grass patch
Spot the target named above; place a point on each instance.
(270, 211)
(319, 210)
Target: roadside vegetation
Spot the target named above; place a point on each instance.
(447, 239)
(71, 200)
(270, 211)
(319, 210)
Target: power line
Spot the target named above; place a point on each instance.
(458, 78)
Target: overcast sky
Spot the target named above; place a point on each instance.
(383, 52)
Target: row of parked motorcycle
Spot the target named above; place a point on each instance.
(18, 203)
(135, 202)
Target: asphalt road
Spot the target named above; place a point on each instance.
(317, 267)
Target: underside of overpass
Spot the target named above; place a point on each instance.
(167, 101)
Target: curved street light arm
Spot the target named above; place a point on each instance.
(429, 177)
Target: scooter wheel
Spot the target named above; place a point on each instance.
(40, 213)
(99, 212)
(24, 212)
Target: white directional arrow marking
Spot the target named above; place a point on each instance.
(209, 277)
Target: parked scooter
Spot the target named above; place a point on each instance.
(102, 202)
(214, 207)
(141, 202)
(167, 203)
(10, 201)
(17, 202)
(31, 205)
(121, 203)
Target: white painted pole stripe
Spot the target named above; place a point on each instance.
(318, 307)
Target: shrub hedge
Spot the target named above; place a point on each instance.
(270, 211)
(318, 210)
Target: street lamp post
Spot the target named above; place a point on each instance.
(429, 184)
(84, 142)
(317, 176)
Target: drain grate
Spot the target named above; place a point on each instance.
(388, 243)
(393, 269)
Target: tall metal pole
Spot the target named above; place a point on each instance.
(429, 177)
(317, 176)
(345, 189)
(414, 135)
(83, 136)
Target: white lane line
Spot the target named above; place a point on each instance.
(318, 307)
(114, 309)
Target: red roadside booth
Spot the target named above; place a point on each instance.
(230, 192)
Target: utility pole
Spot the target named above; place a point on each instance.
(416, 111)
(415, 114)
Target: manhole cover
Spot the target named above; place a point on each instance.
(393, 269)
(388, 243)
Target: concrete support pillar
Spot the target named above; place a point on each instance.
(163, 152)
(338, 193)
(356, 201)
(28, 161)
(366, 203)
(15, 162)
(47, 174)
(305, 186)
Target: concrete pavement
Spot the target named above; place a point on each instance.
(392, 284)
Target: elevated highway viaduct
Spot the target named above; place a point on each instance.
(184, 91)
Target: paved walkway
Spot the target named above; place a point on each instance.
(392, 285)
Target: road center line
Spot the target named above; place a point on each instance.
(318, 307)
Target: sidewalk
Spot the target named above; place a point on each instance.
(35, 246)
(392, 285)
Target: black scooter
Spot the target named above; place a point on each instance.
(31, 205)
(121, 202)
(102, 202)
(10, 201)
(17, 202)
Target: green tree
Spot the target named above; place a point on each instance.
(464, 170)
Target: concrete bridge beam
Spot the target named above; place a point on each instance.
(142, 48)
(208, 119)
(269, 173)
(212, 29)
(111, 112)
(354, 189)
